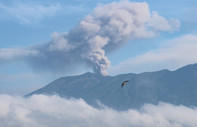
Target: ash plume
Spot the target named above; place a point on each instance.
(105, 29)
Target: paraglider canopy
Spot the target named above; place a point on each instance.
(124, 83)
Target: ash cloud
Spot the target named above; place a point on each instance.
(54, 111)
(104, 30)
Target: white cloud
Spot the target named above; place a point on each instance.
(10, 54)
(50, 111)
(28, 12)
(174, 54)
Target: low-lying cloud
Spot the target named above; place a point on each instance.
(54, 111)
(102, 31)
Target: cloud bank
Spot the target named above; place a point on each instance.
(174, 54)
(102, 31)
(53, 111)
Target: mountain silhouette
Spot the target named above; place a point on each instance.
(177, 87)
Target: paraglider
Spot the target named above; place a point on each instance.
(124, 83)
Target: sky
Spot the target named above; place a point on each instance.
(41, 41)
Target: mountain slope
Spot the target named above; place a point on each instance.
(176, 87)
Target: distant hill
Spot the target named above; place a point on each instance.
(176, 87)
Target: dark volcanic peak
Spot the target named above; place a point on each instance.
(90, 74)
(176, 87)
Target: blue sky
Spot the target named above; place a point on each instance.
(169, 40)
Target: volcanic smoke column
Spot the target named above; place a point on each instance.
(104, 30)
(110, 26)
